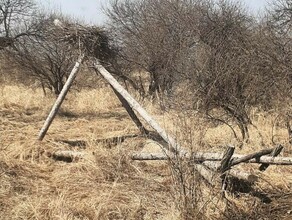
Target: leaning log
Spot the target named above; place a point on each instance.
(60, 99)
(201, 157)
(172, 145)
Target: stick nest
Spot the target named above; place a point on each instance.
(91, 40)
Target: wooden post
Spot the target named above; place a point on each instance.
(172, 145)
(60, 99)
(275, 153)
(225, 162)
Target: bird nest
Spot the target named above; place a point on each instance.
(90, 40)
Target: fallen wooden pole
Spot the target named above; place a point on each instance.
(210, 176)
(60, 100)
(235, 172)
(248, 157)
(201, 157)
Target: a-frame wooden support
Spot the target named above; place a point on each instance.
(63, 94)
(171, 147)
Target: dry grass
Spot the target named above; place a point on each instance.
(106, 184)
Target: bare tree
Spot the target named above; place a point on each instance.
(50, 54)
(15, 18)
(153, 36)
(45, 56)
(208, 54)
(278, 30)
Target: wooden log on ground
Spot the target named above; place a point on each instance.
(235, 172)
(111, 141)
(248, 157)
(67, 156)
(74, 143)
(272, 160)
(201, 157)
(60, 99)
(210, 176)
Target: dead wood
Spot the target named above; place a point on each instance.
(210, 176)
(225, 162)
(235, 172)
(110, 141)
(201, 157)
(275, 153)
(60, 99)
(67, 156)
(248, 157)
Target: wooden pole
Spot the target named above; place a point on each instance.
(60, 99)
(131, 113)
(235, 172)
(225, 162)
(275, 153)
(248, 157)
(172, 145)
(201, 157)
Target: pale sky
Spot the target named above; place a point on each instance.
(91, 10)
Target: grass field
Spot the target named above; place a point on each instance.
(106, 183)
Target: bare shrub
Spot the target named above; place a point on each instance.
(13, 13)
(45, 58)
(205, 55)
(50, 55)
(223, 77)
(278, 54)
(15, 20)
(152, 37)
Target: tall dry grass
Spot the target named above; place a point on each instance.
(106, 183)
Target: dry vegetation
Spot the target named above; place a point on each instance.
(209, 73)
(106, 184)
